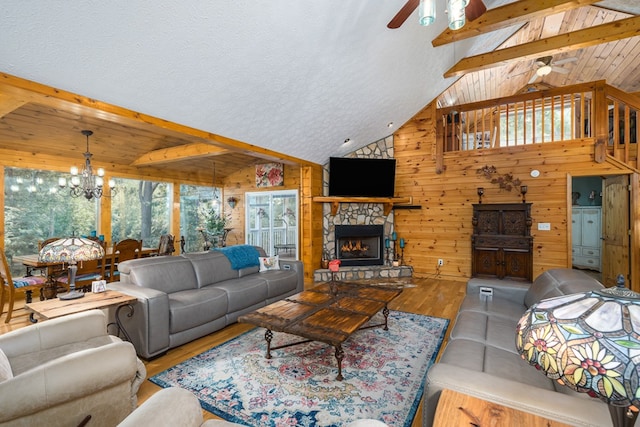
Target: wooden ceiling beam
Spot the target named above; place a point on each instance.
(508, 15)
(9, 104)
(179, 153)
(612, 31)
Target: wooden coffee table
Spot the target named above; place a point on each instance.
(329, 313)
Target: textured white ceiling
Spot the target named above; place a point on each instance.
(294, 76)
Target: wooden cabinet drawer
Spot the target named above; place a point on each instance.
(582, 261)
(590, 252)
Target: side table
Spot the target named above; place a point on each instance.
(457, 409)
(52, 308)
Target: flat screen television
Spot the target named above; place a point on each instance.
(357, 177)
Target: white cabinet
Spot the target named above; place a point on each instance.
(586, 236)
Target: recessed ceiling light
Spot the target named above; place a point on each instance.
(348, 140)
(390, 125)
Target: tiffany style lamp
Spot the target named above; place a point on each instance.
(589, 342)
(71, 250)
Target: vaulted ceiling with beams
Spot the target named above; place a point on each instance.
(251, 79)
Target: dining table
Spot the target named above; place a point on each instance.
(56, 268)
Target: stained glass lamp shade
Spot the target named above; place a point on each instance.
(71, 250)
(589, 342)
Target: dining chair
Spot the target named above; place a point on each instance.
(88, 271)
(56, 270)
(166, 246)
(122, 251)
(11, 286)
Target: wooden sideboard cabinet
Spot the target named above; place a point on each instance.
(586, 234)
(501, 244)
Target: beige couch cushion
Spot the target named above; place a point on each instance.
(5, 367)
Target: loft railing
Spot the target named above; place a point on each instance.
(576, 112)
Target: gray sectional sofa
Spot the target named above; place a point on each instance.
(481, 360)
(181, 298)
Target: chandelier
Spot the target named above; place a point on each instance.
(86, 183)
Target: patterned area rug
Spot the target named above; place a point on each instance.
(384, 374)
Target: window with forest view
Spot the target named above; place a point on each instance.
(196, 203)
(140, 210)
(535, 126)
(37, 209)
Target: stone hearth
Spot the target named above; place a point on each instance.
(364, 272)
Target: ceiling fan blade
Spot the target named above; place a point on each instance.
(565, 60)
(533, 79)
(403, 14)
(560, 70)
(474, 9)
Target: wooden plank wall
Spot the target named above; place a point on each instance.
(442, 228)
(243, 181)
(306, 179)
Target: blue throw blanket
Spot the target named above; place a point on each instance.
(241, 256)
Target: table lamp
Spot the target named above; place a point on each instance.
(589, 342)
(71, 250)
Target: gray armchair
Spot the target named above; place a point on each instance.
(61, 371)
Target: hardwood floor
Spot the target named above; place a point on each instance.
(431, 296)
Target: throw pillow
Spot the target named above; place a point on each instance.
(5, 367)
(269, 263)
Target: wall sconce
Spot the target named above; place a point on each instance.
(523, 191)
(232, 202)
(480, 194)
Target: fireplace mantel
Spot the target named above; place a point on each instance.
(388, 202)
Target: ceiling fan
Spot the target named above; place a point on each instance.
(546, 65)
(474, 9)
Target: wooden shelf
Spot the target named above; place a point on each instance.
(388, 202)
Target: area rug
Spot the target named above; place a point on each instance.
(384, 373)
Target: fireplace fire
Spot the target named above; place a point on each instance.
(359, 244)
(354, 248)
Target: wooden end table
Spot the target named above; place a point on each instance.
(52, 308)
(329, 313)
(458, 409)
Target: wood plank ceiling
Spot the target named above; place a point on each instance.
(614, 61)
(32, 122)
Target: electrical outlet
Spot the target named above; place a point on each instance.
(440, 262)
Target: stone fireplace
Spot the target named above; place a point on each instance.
(359, 244)
(360, 215)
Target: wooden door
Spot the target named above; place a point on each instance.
(576, 227)
(517, 264)
(487, 263)
(615, 236)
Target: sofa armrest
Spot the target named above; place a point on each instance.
(298, 267)
(54, 333)
(511, 290)
(69, 377)
(170, 407)
(573, 410)
(148, 326)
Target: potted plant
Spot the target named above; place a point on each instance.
(213, 228)
(215, 222)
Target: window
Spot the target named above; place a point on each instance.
(271, 222)
(140, 210)
(195, 201)
(539, 125)
(37, 209)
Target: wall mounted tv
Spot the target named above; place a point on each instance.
(357, 177)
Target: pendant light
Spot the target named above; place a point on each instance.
(427, 12)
